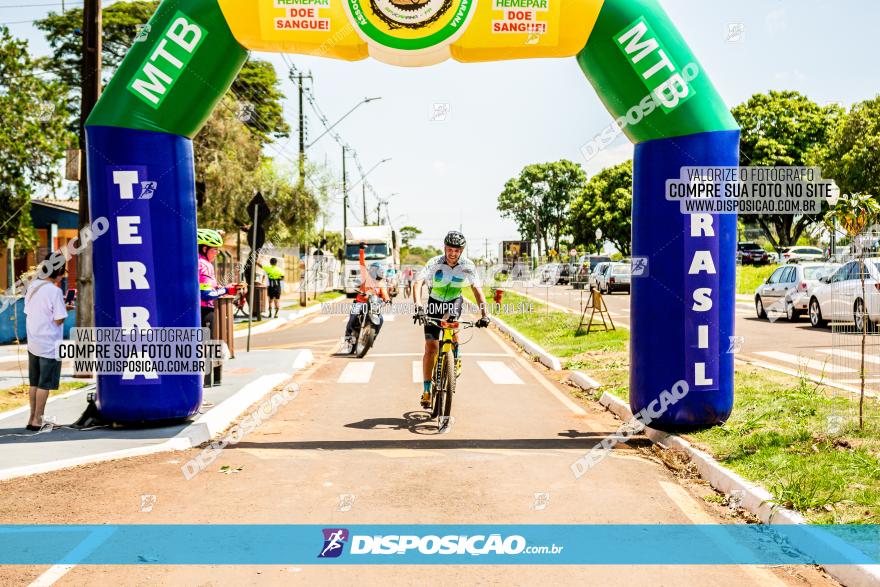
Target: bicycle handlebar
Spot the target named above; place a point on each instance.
(465, 323)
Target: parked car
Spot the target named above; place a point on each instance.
(839, 298)
(593, 260)
(751, 254)
(564, 274)
(597, 272)
(788, 289)
(586, 270)
(551, 273)
(616, 277)
(801, 254)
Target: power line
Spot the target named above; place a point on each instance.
(40, 5)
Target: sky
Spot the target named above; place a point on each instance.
(505, 115)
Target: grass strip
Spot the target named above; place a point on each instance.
(798, 439)
(18, 396)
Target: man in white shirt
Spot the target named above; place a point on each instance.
(46, 311)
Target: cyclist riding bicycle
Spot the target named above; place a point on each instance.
(372, 281)
(209, 243)
(445, 275)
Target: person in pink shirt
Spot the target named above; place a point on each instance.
(209, 242)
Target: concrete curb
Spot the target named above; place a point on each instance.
(198, 432)
(583, 380)
(755, 498)
(276, 323)
(530, 347)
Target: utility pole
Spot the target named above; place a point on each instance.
(302, 131)
(344, 197)
(378, 207)
(90, 80)
(364, 191)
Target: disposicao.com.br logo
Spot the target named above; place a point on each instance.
(431, 544)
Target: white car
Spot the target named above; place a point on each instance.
(801, 254)
(839, 298)
(597, 272)
(788, 289)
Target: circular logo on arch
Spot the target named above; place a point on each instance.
(411, 25)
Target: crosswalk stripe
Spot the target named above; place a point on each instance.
(851, 355)
(417, 371)
(319, 319)
(802, 362)
(499, 373)
(359, 372)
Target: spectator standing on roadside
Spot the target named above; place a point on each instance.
(46, 312)
(275, 277)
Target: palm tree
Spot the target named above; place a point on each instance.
(854, 213)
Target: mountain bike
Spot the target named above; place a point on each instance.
(444, 375)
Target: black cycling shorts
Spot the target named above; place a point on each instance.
(450, 310)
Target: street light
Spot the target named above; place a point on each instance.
(329, 128)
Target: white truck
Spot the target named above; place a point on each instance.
(381, 246)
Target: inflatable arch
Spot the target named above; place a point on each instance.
(142, 128)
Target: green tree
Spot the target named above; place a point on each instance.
(32, 137)
(784, 129)
(294, 207)
(227, 159)
(605, 203)
(853, 156)
(408, 234)
(256, 83)
(538, 200)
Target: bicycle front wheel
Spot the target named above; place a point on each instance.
(439, 387)
(449, 388)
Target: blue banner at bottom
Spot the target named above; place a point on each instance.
(440, 544)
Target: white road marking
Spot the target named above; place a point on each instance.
(869, 358)
(499, 373)
(357, 372)
(820, 366)
(320, 319)
(80, 551)
(567, 401)
(390, 317)
(417, 371)
(51, 575)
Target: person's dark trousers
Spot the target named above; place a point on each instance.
(356, 309)
(213, 373)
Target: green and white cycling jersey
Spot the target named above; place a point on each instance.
(444, 282)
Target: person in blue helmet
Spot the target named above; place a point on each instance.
(372, 281)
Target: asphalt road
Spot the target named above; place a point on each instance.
(794, 346)
(355, 448)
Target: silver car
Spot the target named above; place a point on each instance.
(597, 273)
(616, 277)
(840, 297)
(789, 288)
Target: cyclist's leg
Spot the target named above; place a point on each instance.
(432, 348)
